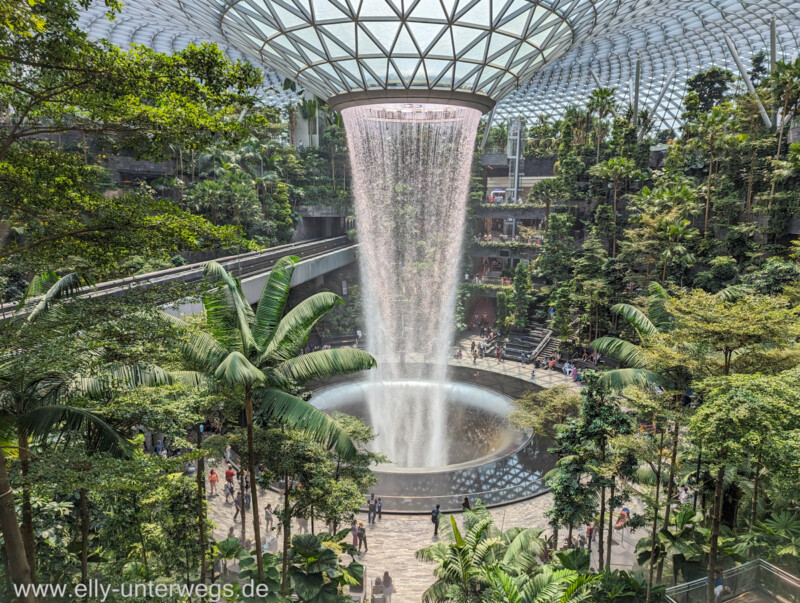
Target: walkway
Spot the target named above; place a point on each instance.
(393, 539)
(544, 379)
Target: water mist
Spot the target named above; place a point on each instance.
(411, 167)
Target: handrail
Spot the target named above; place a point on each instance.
(545, 340)
(675, 592)
(193, 270)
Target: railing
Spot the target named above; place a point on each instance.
(242, 265)
(542, 344)
(758, 577)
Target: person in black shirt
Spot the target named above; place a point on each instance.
(435, 519)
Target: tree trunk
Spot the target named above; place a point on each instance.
(614, 223)
(708, 185)
(601, 523)
(569, 537)
(654, 531)
(18, 568)
(715, 521)
(754, 504)
(201, 506)
(749, 200)
(784, 117)
(84, 536)
(610, 524)
(672, 463)
(27, 509)
(251, 463)
(287, 528)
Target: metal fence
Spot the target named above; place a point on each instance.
(765, 581)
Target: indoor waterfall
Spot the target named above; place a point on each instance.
(411, 168)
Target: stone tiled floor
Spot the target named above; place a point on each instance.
(510, 368)
(393, 539)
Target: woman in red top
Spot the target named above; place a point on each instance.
(213, 478)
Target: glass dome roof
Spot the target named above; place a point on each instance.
(536, 56)
(335, 47)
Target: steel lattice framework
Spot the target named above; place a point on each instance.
(533, 56)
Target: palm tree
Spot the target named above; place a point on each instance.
(35, 400)
(257, 354)
(712, 137)
(602, 104)
(465, 563)
(546, 191)
(615, 170)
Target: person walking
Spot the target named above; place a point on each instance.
(302, 525)
(474, 356)
(388, 587)
(268, 517)
(380, 507)
(362, 536)
(372, 509)
(435, 519)
(213, 480)
(354, 532)
(247, 497)
(590, 534)
(503, 354)
(237, 502)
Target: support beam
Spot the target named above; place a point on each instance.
(746, 78)
(773, 45)
(594, 77)
(517, 152)
(660, 98)
(636, 82)
(488, 127)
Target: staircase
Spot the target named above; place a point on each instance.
(536, 341)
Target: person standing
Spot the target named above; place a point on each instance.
(503, 354)
(213, 480)
(354, 532)
(380, 507)
(474, 356)
(590, 534)
(237, 502)
(435, 519)
(228, 452)
(362, 536)
(388, 587)
(372, 509)
(268, 517)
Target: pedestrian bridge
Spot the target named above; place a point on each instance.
(317, 257)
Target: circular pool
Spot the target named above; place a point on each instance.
(483, 455)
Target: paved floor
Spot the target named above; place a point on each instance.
(510, 368)
(393, 539)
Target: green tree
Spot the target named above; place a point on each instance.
(726, 327)
(738, 416)
(707, 89)
(614, 171)
(521, 294)
(556, 256)
(547, 191)
(601, 104)
(256, 354)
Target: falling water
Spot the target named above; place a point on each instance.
(411, 167)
